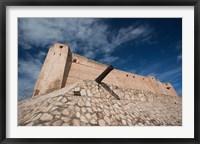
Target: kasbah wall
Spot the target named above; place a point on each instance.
(63, 68)
(66, 94)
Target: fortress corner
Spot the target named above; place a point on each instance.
(54, 70)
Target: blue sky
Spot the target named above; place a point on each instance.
(145, 46)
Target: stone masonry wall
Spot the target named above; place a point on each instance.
(83, 68)
(91, 104)
(63, 68)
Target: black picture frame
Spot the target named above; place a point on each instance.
(5, 3)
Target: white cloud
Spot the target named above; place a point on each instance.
(29, 71)
(85, 35)
(174, 73)
(108, 59)
(179, 45)
(179, 58)
(90, 36)
(150, 68)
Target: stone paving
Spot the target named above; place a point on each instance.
(91, 104)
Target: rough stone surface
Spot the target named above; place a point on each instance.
(83, 92)
(65, 119)
(46, 117)
(78, 114)
(102, 122)
(66, 112)
(76, 122)
(125, 107)
(80, 103)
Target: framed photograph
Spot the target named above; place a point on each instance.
(99, 72)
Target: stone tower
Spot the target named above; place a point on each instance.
(53, 74)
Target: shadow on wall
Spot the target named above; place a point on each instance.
(104, 85)
(67, 69)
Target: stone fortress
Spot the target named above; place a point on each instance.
(63, 68)
(66, 94)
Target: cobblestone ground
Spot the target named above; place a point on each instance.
(92, 104)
